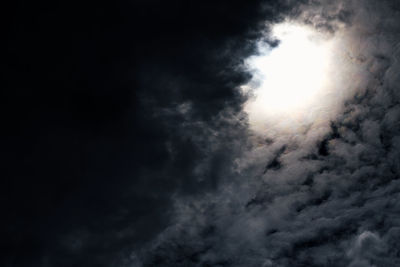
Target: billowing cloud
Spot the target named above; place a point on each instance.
(128, 143)
(324, 197)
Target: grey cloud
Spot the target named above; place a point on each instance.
(338, 207)
(169, 174)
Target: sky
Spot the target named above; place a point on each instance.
(200, 133)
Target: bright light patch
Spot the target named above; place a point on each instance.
(289, 80)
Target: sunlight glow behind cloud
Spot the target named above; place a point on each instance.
(289, 81)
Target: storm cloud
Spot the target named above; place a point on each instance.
(126, 142)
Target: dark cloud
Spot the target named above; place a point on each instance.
(125, 143)
(329, 197)
(111, 109)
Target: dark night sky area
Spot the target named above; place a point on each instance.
(124, 142)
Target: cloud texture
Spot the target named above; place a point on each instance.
(126, 143)
(326, 197)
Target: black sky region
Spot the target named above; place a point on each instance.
(124, 142)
